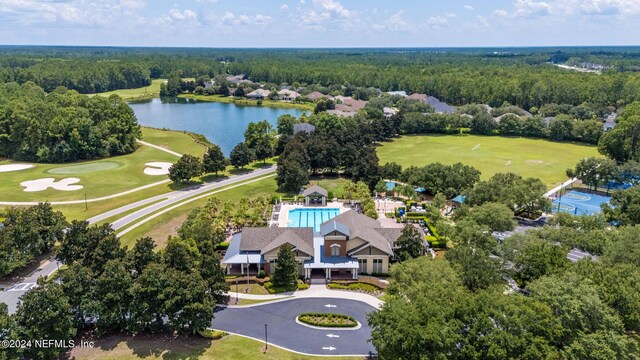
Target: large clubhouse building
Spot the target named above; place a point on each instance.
(341, 247)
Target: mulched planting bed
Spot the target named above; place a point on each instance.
(328, 320)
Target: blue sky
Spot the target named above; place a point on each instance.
(320, 23)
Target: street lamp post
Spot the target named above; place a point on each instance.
(236, 291)
(266, 343)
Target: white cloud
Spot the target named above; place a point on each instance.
(332, 7)
(70, 12)
(469, 7)
(501, 13)
(284, 7)
(528, 8)
(185, 15)
(230, 19)
(324, 12)
(437, 22)
(396, 22)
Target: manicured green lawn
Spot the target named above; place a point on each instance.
(98, 178)
(538, 158)
(173, 140)
(163, 348)
(147, 92)
(247, 102)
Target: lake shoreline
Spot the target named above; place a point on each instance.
(247, 102)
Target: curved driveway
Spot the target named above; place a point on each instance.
(283, 330)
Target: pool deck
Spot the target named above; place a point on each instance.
(283, 220)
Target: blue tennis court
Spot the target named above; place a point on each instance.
(311, 217)
(579, 203)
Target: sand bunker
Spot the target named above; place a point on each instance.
(157, 168)
(476, 147)
(44, 184)
(14, 167)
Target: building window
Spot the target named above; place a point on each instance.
(335, 250)
(377, 266)
(362, 266)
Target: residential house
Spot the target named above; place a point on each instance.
(610, 122)
(389, 112)
(259, 94)
(397, 93)
(287, 95)
(439, 106)
(316, 95)
(418, 97)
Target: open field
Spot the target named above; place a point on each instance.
(146, 92)
(538, 158)
(230, 347)
(173, 140)
(247, 102)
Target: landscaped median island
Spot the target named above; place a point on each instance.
(328, 320)
(260, 286)
(364, 284)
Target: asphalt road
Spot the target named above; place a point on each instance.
(12, 292)
(11, 295)
(174, 197)
(285, 332)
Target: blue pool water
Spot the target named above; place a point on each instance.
(390, 185)
(579, 203)
(311, 217)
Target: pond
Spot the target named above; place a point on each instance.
(223, 124)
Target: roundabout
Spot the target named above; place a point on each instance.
(285, 331)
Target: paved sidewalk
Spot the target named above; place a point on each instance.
(314, 291)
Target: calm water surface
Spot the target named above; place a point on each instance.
(221, 123)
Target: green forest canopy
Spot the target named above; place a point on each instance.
(522, 76)
(63, 125)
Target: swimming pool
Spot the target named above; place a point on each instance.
(311, 217)
(579, 203)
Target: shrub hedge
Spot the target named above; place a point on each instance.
(328, 320)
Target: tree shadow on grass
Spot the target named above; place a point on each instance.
(164, 345)
(213, 178)
(240, 171)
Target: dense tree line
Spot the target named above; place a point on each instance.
(26, 233)
(63, 125)
(111, 289)
(550, 320)
(459, 76)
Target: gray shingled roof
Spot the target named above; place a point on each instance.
(331, 226)
(302, 242)
(315, 189)
(439, 106)
(367, 229)
(263, 238)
